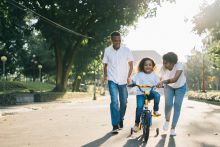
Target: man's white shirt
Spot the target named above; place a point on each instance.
(117, 63)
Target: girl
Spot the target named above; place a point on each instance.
(172, 74)
(146, 76)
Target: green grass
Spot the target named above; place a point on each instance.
(10, 87)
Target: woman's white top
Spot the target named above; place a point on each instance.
(166, 74)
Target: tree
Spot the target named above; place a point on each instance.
(13, 28)
(208, 21)
(194, 70)
(38, 53)
(94, 18)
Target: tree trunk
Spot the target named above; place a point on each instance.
(59, 68)
(63, 67)
(76, 84)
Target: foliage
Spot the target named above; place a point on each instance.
(13, 28)
(38, 53)
(208, 21)
(24, 87)
(94, 18)
(210, 97)
(194, 69)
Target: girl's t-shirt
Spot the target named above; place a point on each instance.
(166, 74)
(142, 78)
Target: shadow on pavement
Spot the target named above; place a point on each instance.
(138, 141)
(99, 141)
(161, 143)
(212, 112)
(207, 145)
(171, 142)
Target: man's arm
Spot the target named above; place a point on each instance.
(130, 63)
(105, 73)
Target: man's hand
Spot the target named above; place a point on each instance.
(104, 81)
(129, 80)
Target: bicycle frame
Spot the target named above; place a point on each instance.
(146, 116)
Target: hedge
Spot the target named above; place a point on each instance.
(208, 96)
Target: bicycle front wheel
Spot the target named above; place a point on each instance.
(146, 123)
(146, 132)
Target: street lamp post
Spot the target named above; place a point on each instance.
(94, 90)
(40, 67)
(203, 73)
(4, 59)
(94, 94)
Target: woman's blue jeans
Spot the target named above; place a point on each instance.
(140, 104)
(173, 97)
(117, 107)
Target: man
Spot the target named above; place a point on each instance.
(118, 66)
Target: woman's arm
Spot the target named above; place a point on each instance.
(174, 79)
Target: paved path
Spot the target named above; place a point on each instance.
(87, 123)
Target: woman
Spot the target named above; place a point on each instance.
(173, 77)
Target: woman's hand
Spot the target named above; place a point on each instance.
(160, 84)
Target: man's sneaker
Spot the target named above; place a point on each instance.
(156, 113)
(166, 126)
(121, 125)
(172, 132)
(136, 128)
(115, 129)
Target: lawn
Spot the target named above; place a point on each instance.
(10, 87)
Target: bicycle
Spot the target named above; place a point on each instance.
(146, 116)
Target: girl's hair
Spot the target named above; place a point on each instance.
(170, 57)
(141, 64)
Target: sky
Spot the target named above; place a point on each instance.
(170, 30)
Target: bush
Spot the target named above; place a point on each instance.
(9, 87)
(208, 96)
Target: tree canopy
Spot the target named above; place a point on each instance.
(64, 25)
(208, 21)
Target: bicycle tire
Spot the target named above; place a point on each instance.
(146, 125)
(146, 132)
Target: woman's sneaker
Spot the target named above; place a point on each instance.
(172, 132)
(166, 126)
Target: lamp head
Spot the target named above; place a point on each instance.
(3, 58)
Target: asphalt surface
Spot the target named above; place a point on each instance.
(74, 123)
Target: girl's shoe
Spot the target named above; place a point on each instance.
(166, 126)
(156, 113)
(172, 132)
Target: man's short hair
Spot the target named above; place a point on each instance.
(115, 33)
